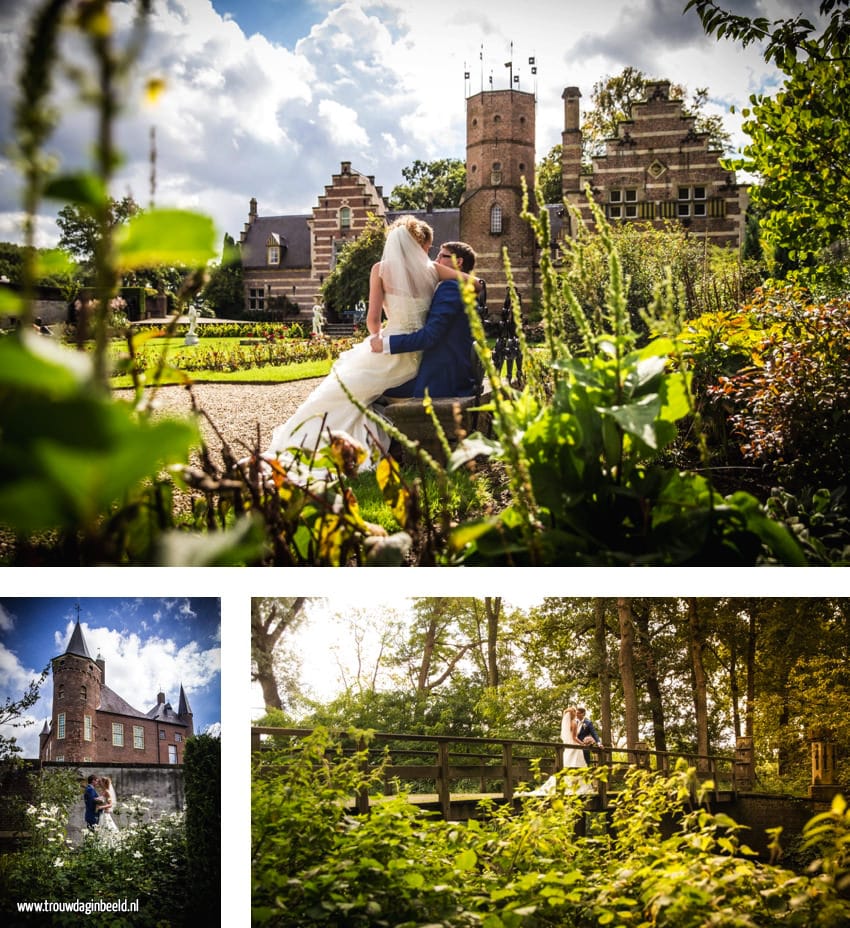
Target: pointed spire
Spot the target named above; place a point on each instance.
(77, 644)
(183, 706)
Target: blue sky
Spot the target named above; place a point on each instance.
(266, 99)
(148, 645)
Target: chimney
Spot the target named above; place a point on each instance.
(571, 142)
(101, 663)
(160, 698)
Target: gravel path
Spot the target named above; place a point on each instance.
(235, 409)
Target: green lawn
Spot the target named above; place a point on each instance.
(281, 373)
(269, 373)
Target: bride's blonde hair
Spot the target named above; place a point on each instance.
(421, 231)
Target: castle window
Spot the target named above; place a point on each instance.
(178, 737)
(60, 758)
(162, 734)
(273, 255)
(172, 754)
(345, 218)
(61, 693)
(495, 219)
(691, 201)
(83, 692)
(117, 735)
(622, 203)
(60, 725)
(257, 298)
(87, 727)
(138, 738)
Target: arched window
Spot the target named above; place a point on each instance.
(495, 219)
(83, 692)
(345, 218)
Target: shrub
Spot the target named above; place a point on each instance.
(202, 772)
(583, 443)
(657, 857)
(790, 404)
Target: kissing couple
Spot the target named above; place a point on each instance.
(425, 344)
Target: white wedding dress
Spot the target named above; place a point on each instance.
(573, 758)
(409, 280)
(107, 822)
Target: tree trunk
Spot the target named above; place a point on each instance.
(627, 672)
(749, 717)
(493, 608)
(601, 639)
(697, 645)
(269, 619)
(653, 686)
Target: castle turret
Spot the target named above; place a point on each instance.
(77, 682)
(499, 158)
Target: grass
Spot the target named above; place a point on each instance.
(468, 495)
(281, 373)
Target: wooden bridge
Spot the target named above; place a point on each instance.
(452, 774)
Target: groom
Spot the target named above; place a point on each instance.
(93, 802)
(445, 340)
(585, 730)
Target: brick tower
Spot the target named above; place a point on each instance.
(499, 154)
(77, 681)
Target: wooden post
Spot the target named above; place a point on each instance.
(823, 767)
(508, 770)
(744, 775)
(363, 794)
(443, 785)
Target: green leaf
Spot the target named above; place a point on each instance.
(10, 303)
(83, 189)
(165, 236)
(466, 860)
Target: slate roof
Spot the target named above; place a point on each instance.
(162, 712)
(294, 235)
(110, 701)
(444, 222)
(77, 644)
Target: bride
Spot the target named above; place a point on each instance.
(107, 822)
(401, 286)
(573, 757)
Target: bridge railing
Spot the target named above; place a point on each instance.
(448, 767)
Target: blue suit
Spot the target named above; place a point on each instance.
(585, 728)
(92, 811)
(446, 343)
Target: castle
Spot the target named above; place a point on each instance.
(90, 723)
(657, 169)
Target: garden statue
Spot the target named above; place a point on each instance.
(318, 319)
(191, 337)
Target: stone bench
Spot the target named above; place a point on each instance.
(408, 415)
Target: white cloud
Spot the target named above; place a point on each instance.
(377, 82)
(138, 669)
(7, 620)
(15, 680)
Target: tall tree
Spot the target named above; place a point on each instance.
(348, 282)
(430, 185)
(270, 618)
(627, 671)
(645, 656)
(224, 292)
(800, 137)
(493, 611)
(80, 230)
(603, 675)
(696, 644)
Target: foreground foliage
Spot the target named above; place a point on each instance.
(313, 863)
